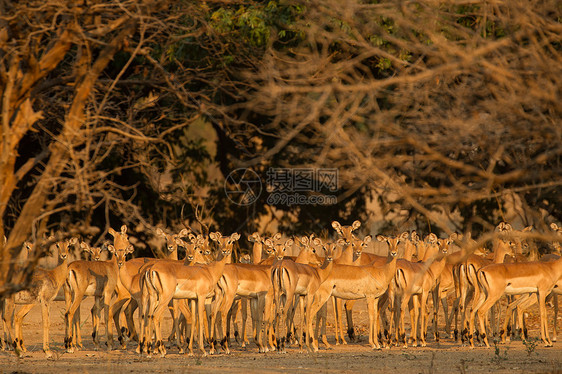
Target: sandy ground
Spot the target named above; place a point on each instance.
(443, 357)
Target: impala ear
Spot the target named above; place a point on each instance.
(355, 225)
(112, 232)
(381, 238)
(215, 236)
(341, 242)
(405, 235)
(454, 236)
(318, 241)
(268, 242)
(255, 237)
(192, 237)
(553, 226)
(336, 225)
(234, 237)
(85, 247)
(130, 249)
(123, 229)
(289, 243)
(111, 249)
(277, 236)
(367, 239)
(73, 241)
(183, 233)
(159, 232)
(432, 238)
(303, 240)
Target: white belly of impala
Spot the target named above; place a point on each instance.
(184, 293)
(514, 290)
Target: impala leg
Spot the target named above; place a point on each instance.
(19, 347)
(156, 322)
(335, 308)
(115, 313)
(8, 319)
(424, 318)
(77, 329)
(268, 312)
(70, 322)
(541, 295)
(225, 310)
(108, 326)
(373, 333)
(193, 326)
(555, 301)
(435, 294)
(302, 330)
(383, 323)
(46, 322)
(446, 316)
(398, 318)
(348, 305)
(243, 340)
(187, 316)
(219, 305)
(322, 317)
(487, 301)
(174, 334)
(130, 308)
(202, 323)
(479, 297)
(454, 316)
(262, 304)
(213, 334)
(413, 306)
(491, 322)
(96, 321)
(143, 320)
(339, 323)
(392, 320)
(463, 299)
(321, 297)
(231, 317)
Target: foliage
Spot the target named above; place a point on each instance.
(136, 114)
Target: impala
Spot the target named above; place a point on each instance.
(249, 281)
(195, 254)
(350, 282)
(98, 279)
(295, 279)
(525, 301)
(414, 280)
(6, 307)
(468, 280)
(345, 258)
(444, 287)
(125, 304)
(166, 281)
(241, 302)
(44, 287)
(497, 280)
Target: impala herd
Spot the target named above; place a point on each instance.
(205, 291)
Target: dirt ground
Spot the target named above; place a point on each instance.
(445, 357)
